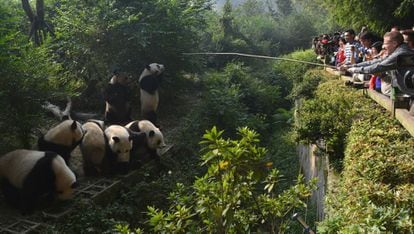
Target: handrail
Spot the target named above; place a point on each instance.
(402, 115)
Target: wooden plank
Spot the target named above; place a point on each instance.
(406, 120)
(381, 99)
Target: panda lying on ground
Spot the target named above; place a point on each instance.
(149, 81)
(26, 175)
(62, 138)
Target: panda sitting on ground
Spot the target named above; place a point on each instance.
(145, 146)
(149, 81)
(106, 152)
(62, 138)
(117, 96)
(26, 175)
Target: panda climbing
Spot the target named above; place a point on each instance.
(117, 96)
(106, 152)
(145, 146)
(149, 82)
(27, 175)
(62, 138)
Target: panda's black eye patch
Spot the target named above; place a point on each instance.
(158, 142)
(158, 66)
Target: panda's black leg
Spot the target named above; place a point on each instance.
(50, 197)
(27, 203)
(11, 194)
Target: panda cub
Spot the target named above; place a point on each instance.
(117, 96)
(62, 138)
(106, 151)
(26, 175)
(147, 144)
(149, 82)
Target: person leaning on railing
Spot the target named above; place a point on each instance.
(393, 46)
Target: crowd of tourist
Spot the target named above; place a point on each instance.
(367, 58)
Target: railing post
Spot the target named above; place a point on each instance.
(393, 100)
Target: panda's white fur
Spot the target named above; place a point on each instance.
(65, 133)
(62, 138)
(149, 82)
(29, 174)
(119, 141)
(93, 148)
(145, 148)
(155, 138)
(65, 178)
(105, 151)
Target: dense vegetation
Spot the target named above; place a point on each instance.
(250, 99)
(374, 191)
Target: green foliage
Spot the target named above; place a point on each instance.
(237, 194)
(95, 37)
(309, 84)
(379, 15)
(375, 191)
(28, 77)
(252, 28)
(234, 97)
(329, 116)
(294, 70)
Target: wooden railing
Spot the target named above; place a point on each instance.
(393, 106)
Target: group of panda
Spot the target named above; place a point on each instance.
(112, 146)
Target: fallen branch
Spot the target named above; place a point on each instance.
(67, 113)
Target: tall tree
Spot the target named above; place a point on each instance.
(379, 15)
(39, 28)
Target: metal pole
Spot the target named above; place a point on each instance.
(306, 227)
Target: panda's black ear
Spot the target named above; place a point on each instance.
(148, 67)
(151, 133)
(74, 125)
(116, 139)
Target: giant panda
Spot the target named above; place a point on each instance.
(62, 138)
(145, 148)
(106, 152)
(26, 175)
(93, 148)
(149, 82)
(117, 96)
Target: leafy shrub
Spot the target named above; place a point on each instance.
(233, 98)
(329, 116)
(375, 191)
(294, 70)
(309, 84)
(28, 77)
(93, 37)
(237, 194)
